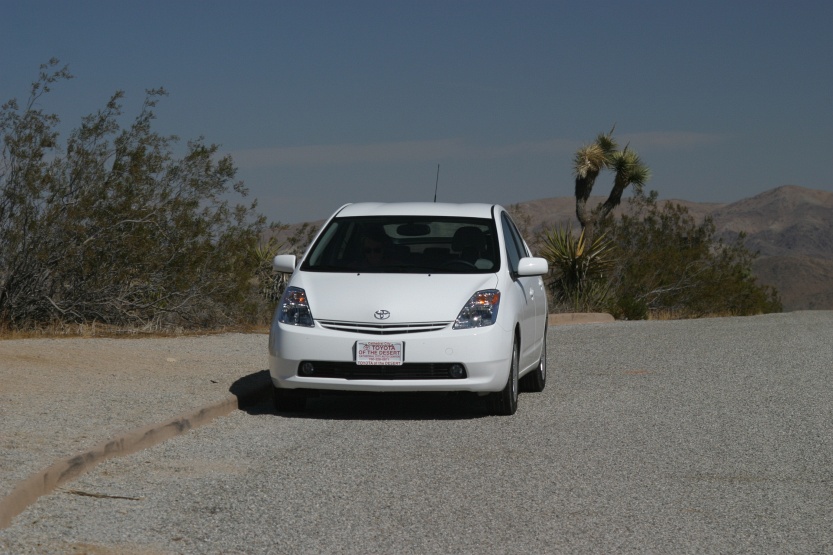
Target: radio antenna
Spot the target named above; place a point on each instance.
(437, 183)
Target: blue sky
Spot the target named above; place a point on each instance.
(322, 103)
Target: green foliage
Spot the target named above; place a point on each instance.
(669, 264)
(589, 161)
(114, 227)
(628, 169)
(665, 262)
(270, 283)
(580, 273)
(300, 239)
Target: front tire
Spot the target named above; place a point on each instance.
(505, 402)
(536, 380)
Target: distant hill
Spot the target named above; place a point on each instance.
(791, 227)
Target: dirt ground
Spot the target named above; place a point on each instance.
(59, 397)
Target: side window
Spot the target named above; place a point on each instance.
(518, 239)
(514, 247)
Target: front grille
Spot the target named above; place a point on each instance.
(382, 329)
(407, 371)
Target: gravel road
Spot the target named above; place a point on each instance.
(702, 436)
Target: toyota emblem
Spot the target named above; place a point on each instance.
(381, 314)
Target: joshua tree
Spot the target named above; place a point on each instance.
(589, 161)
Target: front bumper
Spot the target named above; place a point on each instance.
(485, 354)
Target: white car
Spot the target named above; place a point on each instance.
(412, 297)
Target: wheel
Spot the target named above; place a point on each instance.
(505, 402)
(536, 380)
(289, 400)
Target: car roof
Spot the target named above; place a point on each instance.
(469, 210)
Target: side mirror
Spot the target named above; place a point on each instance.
(284, 263)
(532, 266)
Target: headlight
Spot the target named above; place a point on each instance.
(294, 308)
(481, 310)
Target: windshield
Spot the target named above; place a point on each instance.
(409, 244)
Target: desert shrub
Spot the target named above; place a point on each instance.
(666, 262)
(113, 226)
(579, 273)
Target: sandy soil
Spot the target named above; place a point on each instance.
(59, 397)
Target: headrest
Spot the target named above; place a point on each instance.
(468, 238)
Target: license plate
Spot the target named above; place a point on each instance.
(379, 353)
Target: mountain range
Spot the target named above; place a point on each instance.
(790, 227)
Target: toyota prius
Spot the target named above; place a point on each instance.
(406, 297)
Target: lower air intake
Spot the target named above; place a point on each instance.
(407, 371)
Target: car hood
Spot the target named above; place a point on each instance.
(406, 297)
